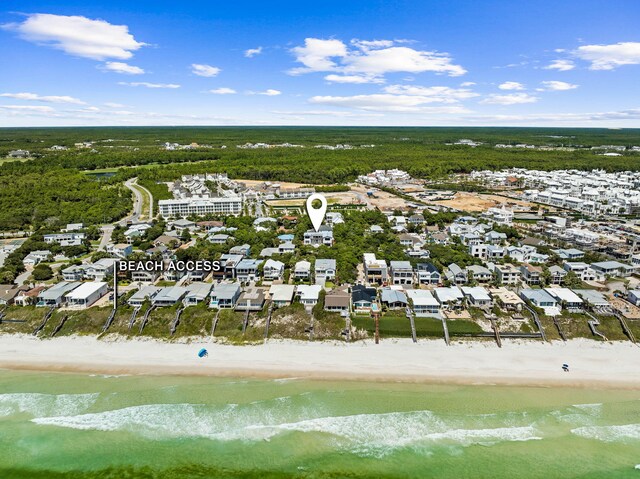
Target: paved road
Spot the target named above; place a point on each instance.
(107, 230)
(137, 202)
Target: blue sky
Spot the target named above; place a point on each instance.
(546, 63)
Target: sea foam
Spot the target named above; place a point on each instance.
(622, 433)
(44, 405)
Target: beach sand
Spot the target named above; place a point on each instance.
(516, 363)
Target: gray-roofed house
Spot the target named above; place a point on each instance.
(247, 270)
(401, 272)
(169, 296)
(143, 294)
(56, 295)
(324, 270)
(541, 299)
(455, 274)
(556, 274)
(393, 299)
(477, 296)
(224, 295)
(196, 293)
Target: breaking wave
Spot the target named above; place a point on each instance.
(43, 405)
(370, 434)
(625, 432)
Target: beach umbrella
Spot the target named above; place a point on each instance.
(203, 353)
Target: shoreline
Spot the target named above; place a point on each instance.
(517, 363)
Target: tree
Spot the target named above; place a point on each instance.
(42, 272)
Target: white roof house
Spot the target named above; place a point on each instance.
(424, 304)
(308, 294)
(282, 294)
(86, 294)
(567, 298)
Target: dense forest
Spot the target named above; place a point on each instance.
(57, 187)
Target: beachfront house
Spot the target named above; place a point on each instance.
(56, 295)
(337, 300)
(308, 294)
(224, 295)
(146, 293)
(393, 298)
(567, 299)
(252, 299)
(424, 304)
(282, 294)
(363, 299)
(197, 293)
(541, 299)
(477, 296)
(449, 298)
(169, 296)
(86, 294)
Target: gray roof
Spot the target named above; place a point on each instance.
(324, 264)
(58, 290)
(198, 291)
(393, 296)
(170, 294)
(225, 290)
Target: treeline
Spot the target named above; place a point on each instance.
(33, 196)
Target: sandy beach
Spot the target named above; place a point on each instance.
(518, 363)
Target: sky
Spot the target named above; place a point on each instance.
(389, 63)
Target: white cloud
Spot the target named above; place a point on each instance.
(204, 70)
(553, 85)
(252, 52)
(78, 36)
(356, 79)
(316, 55)
(467, 83)
(121, 67)
(369, 58)
(27, 108)
(511, 85)
(433, 94)
(44, 98)
(388, 102)
(223, 91)
(268, 92)
(510, 99)
(113, 105)
(608, 57)
(149, 85)
(560, 65)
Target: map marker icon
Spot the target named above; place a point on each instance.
(316, 214)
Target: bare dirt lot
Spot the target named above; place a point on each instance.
(481, 202)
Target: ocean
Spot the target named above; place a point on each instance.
(59, 425)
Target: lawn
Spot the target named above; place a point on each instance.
(463, 326)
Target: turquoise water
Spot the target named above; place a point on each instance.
(92, 426)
